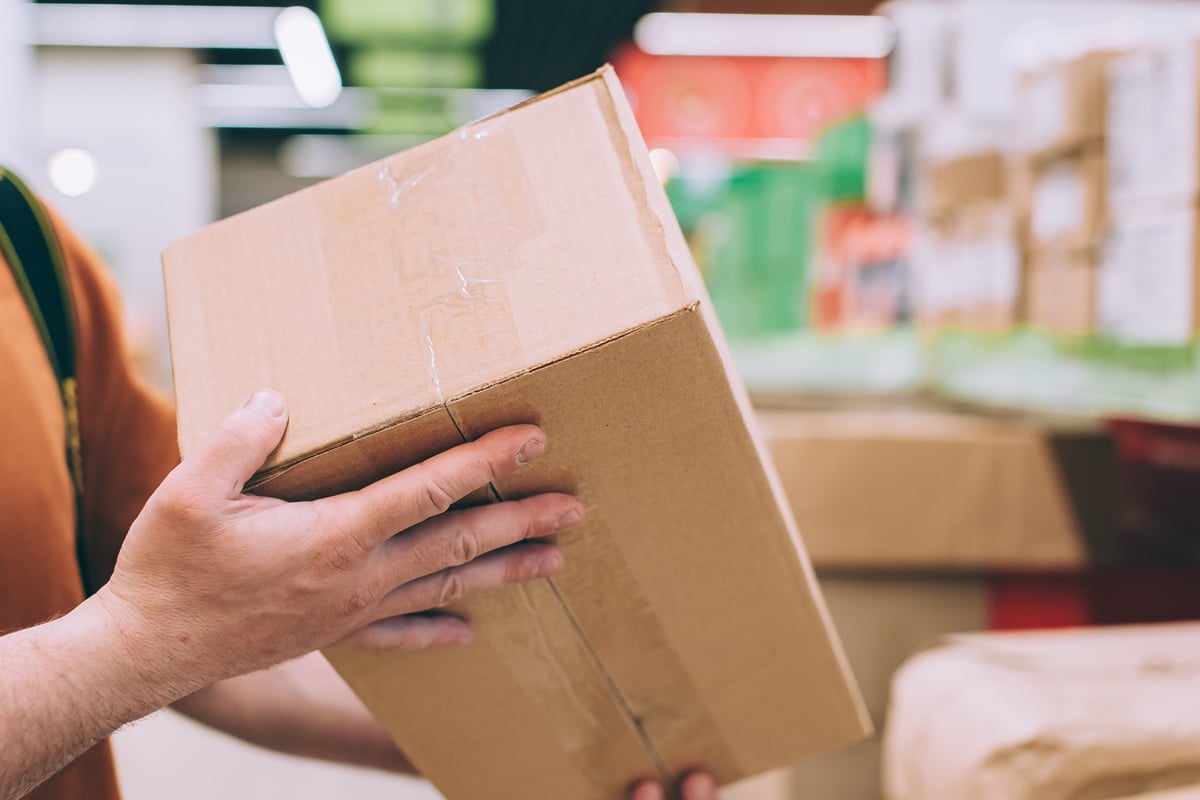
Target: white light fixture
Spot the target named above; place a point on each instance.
(307, 56)
(665, 164)
(120, 25)
(72, 171)
(786, 35)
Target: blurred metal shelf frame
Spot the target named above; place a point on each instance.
(264, 97)
(157, 26)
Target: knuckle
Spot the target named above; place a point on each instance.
(464, 546)
(336, 556)
(241, 428)
(451, 587)
(187, 503)
(341, 544)
(488, 464)
(357, 601)
(436, 496)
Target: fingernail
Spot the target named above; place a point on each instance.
(267, 403)
(530, 450)
(648, 791)
(701, 787)
(549, 565)
(568, 520)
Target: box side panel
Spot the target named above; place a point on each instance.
(522, 712)
(391, 289)
(686, 578)
(525, 706)
(534, 683)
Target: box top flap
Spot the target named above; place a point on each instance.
(370, 298)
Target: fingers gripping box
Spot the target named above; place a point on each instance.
(529, 269)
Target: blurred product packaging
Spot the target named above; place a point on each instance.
(1062, 122)
(966, 258)
(1149, 290)
(1047, 716)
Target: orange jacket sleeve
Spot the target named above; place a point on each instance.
(127, 428)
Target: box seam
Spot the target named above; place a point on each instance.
(444, 403)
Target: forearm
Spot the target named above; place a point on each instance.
(67, 684)
(302, 708)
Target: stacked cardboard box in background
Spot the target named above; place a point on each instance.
(1148, 287)
(1059, 185)
(909, 513)
(965, 255)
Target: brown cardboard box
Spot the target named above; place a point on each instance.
(966, 269)
(991, 262)
(529, 268)
(936, 490)
(1148, 288)
(955, 183)
(1068, 204)
(885, 619)
(1190, 792)
(1154, 125)
(1062, 292)
(1062, 106)
(1047, 716)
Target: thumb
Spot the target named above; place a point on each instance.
(241, 443)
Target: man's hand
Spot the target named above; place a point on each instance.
(693, 786)
(231, 583)
(213, 583)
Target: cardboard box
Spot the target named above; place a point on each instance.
(1190, 792)
(955, 183)
(966, 269)
(935, 490)
(1062, 107)
(1068, 204)
(1153, 122)
(1047, 716)
(885, 620)
(1062, 292)
(1147, 292)
(529, 268)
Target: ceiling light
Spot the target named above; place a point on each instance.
(72, 171)
(786, 35)
(307, 56)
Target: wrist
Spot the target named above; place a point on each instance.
(135, 654)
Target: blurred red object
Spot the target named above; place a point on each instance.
(1117, 595)
(732, 104)
(1038, 602)
(861, 281)
(1153, 572)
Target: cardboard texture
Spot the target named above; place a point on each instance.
(1148, 292)
(1181, 793)
(1154, 125)
(1062, 292)
(933, 490)
(529, 268)
(1068, 203)
(1062, 107)
(1095, 713)
(953, 184)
